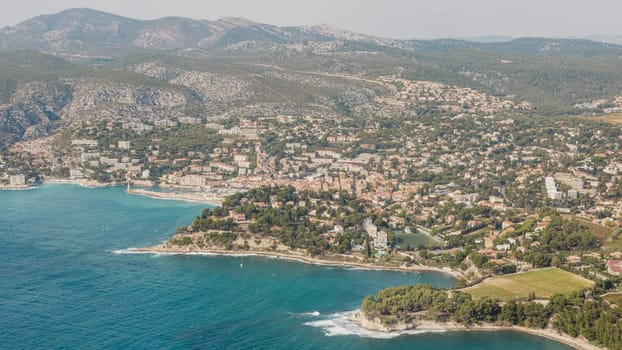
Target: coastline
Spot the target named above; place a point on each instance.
(55, 181)
(432, 326)
(549, 333)
(422, 326)
(17, 187)
(293, 257)
(196, 197)
(79, 182)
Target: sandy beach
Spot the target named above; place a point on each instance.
(431, 326)
(80, 182)
(198, 197)
(16, 187)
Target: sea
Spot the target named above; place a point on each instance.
(68, 282)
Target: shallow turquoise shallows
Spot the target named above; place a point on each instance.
(63, 285)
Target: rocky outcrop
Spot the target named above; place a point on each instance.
(38, 108)
(33, 110)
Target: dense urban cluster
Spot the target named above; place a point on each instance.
(484, 191)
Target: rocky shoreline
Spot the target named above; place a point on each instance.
(294, 256)
(375, 325)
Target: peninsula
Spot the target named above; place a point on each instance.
(576, 320)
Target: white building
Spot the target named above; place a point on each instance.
(75, 173)
(84, 142)
(329, 153)
(551, 188)
(192, 180)
(381, 241)
(240, 157)
(86, 156)
(17, 180)
(370, 228)
(124, 145)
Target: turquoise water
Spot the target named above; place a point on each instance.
(62, 286)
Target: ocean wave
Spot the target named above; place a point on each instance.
(339, 324)
(314, 313)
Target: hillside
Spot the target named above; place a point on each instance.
(82, 64)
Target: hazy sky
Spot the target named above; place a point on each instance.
(391, 18)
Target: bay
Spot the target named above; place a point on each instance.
(64, 285)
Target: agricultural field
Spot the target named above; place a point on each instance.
(613, 298)
(614, 118)
(415, 240)
(544, 283)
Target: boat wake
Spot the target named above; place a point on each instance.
(340, 324)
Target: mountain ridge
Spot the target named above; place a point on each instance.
(84, 30)
(86, 65)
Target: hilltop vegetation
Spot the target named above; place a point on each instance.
(574, 315)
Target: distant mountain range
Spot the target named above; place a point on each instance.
(82, 64)
(79, 30)
(87, 31)
(611, 39)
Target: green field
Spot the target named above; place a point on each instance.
(415, 240)
(614, 242)
(543, 283)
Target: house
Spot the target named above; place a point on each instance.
(506, 224)
(237, 217)
(125, 145)
(86, 156)
(503, 247)
(616, 255)
(614, 267)
(240, 157)
(573, 259)
(487, 252)
(596, 256)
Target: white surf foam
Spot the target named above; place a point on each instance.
(314, 313)
(134, 251)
